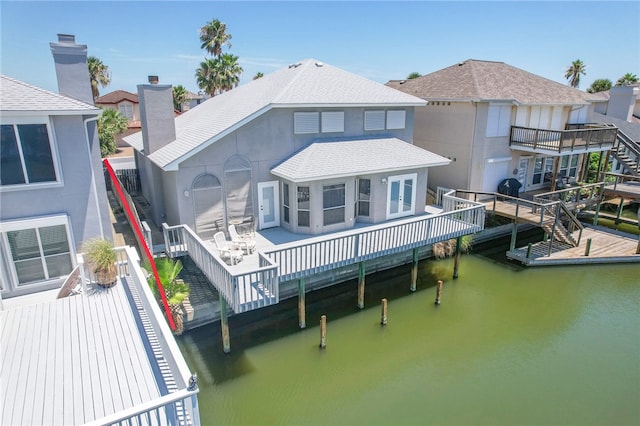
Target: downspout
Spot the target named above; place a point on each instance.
(93, 177)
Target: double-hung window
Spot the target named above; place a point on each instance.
(303, 206)
(333, 202)
(38, 250)
(285, 201)
(26, 156)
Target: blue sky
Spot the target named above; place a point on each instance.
(378, 40)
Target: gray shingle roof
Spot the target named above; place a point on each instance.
(630, 129)
(327, 160)
(486, 81)
(18, 96)
(306, 84)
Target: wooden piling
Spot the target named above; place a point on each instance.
(224, 326)
(456, 261)
(619, 212)
(361, 276)
(383, 319)
(587, 249)
(514, 235)
(302, 323)
(414, 270)
(323, 331)
(529, 246)
(438, 292)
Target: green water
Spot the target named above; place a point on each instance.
(507, 346)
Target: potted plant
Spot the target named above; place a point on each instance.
(101, 258)
(175, 289)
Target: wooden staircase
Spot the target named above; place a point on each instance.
(627, 152)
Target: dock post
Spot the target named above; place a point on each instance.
(456, 261)
(438, 292)
(514, 234)
(414, 270)
(302, 323)
(361, 275)
(529, 246)
(224, 325)
(323, 331)
(595, 216)
(587, 249)
(383, 319)
(619, 213)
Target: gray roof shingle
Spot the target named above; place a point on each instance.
(487, 81)
(327, 160)
(18, 96)
(309, 83)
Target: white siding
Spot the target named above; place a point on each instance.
(522, 115)
(578, 114)
(556, 119)
(498, 120)
(545, 117)
(534, 118)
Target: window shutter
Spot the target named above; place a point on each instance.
(306, 122)
(333, 121)
(396, 119)
(374, 120)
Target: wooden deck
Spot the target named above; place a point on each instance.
(95, 358)
(625, 189)
(606, 247)
(523, 213)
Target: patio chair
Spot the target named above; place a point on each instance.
(227, 249)
(245, 243)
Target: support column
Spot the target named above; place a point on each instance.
(224, 325)
(619, 213)
(584, 171)
(556, 165)
(361, 275)
(302, 323)
(514, 235)
(599, 164)
(414, 270)
(456, 262)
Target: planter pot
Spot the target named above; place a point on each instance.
(106, 279)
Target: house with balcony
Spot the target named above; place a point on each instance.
(495, 121)
(52, 189)
(310, 148)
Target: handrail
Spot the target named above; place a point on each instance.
(619, 178)
(572, 193)
(563, 140)
(234, 287)
(304, 258)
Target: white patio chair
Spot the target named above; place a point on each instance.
(244, 242)
(227, 249)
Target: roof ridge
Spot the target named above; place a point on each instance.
(304, 64)
(474, 77)
(48, 92)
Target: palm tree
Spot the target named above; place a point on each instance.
(414, 75)
(219, 75)
(99, 75)
(258, 75)
(213, 36)
(180, 97)
(175, 289)
(110, 125)
(627, 79)
(574, 71)
(600, 85)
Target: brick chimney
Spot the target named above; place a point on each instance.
(156, 115)
(71, 68)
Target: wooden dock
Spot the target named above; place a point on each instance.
(606, 247)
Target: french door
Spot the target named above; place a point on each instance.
(401, 195)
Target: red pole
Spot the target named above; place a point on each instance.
(138, 231)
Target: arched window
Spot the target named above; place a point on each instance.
(238, 194)
(207, 205)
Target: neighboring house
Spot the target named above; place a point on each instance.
(52, 190)
(195, 99)
(126, 103)
(622, 102)
(311, 148)
(495, 121)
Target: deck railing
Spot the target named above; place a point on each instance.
(242, 291)
(616, 179)
(180, 405)
(573, 196)
(544, 140)
(304, 258)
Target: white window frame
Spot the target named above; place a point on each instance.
(16, 121)
(498, 120)
(128, 107)
(306, 122)
(401, 179)
(343, 206)
(374, 120)
(396, 119)
(41, 222)
(332, 121)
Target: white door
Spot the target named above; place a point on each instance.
(401, 195)
(269, 205)
(523, 170)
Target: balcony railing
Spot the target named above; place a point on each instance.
(562, 141)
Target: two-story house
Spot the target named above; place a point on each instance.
(52, 190)
(496, 121)
(311, 148)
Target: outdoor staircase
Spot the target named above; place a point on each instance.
(627, 152)
(560, 232)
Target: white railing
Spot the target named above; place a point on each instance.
(180, 405)
(242, 291)
(304, 258)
